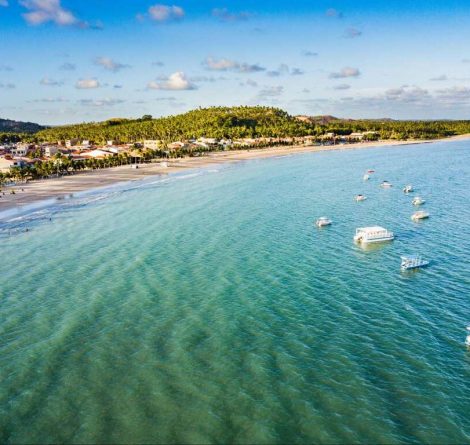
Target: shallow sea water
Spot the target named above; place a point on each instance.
(206, 307)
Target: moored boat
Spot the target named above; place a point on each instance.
(467, 340)
(323, 221)
(360, 198)
(408, 189)
(366, 177)
(374, 234)
(420, 214)
(386, 185)
(413, 262)
(417, 201)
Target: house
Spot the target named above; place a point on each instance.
(20, 150)
(96, 154)
(50, 150)
(152, 144)
(72, 142)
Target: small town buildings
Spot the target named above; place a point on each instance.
(152, 144)
(20, 150)
(97, 154)
(50, 150)
(72, 142)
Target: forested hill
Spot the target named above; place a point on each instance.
(10, 126)
(246, 122)
(217, 122)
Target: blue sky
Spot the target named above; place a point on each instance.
(64, 61)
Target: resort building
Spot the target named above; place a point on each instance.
(152, 144)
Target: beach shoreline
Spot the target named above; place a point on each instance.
(33, 192)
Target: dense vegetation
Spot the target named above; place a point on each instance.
(390, 129)
(233, 123)
(10, 126)
(217, 122)
(242, 122)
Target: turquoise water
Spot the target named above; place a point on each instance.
(206, 307)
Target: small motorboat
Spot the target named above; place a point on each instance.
(360, 198)
(370, 171)
(366, 177)
(467, 340)
(385, 185)
(420, 214)
(408, 189)
(418, 201)
(323, 222)
(413, 262)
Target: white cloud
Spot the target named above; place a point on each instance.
(231, 65)
(68, 67)
(439, 78)
(43, 11)
(165, 13)
(4, 3)
(177, 82)
(352, 33)
(46, 81)
(308, 53)
(109, 64)
(107, 102)
(342, 86)
(224, 15)
(345, 72)
(332, 12)
(87, 84)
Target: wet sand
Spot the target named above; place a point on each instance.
(41, 190)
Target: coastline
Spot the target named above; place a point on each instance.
(46, 190)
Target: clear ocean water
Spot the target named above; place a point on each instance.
(205, 307)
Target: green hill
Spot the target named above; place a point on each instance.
(217, 122)
(10, 126)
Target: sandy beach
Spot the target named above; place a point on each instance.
(41, 190)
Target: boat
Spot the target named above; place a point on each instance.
(323, 222)
(366, 177)
(420, 214)
(418, 201)
(360, 198)
(413, 262)
(374, 234)
(370, 171)
(408, 188)
(385, 185)
(467, 340)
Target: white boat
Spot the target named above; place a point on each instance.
(374, 234)
(420, 214)
(360, 198)
(413, 262)
(467, 340)
(418, 201)
(408, 188)
(385, 185)
(366, 177)
(323, 221)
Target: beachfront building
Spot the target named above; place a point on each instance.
(50, 150)
(96, 154)
(69, 143)
(152, 144)
(21, 150)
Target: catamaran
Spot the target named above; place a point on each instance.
(413, 262)
(374, 234)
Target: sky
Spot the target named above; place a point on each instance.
(69, 61)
